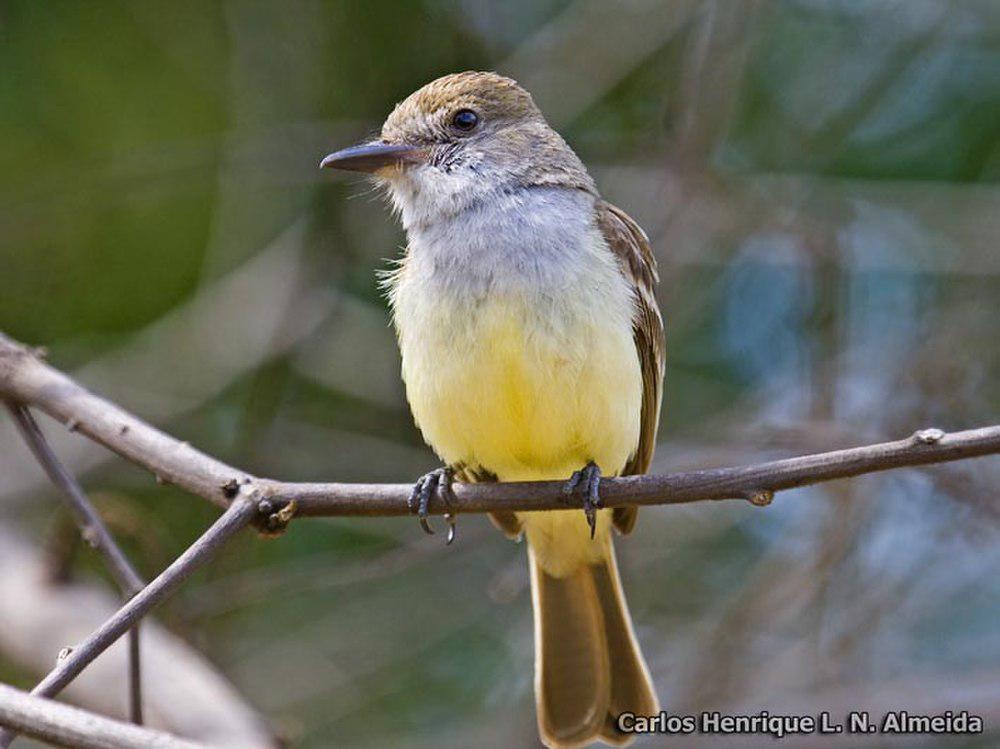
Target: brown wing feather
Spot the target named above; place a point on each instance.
(631, 246)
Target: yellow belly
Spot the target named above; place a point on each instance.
(529, 396)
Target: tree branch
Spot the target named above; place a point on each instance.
(71, 663)
(92, 528)
(25, 378)
(184, 693)
(95, 533)
(63, 725)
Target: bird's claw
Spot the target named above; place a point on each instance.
(587, 481)
(439, 481)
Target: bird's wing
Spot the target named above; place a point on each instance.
(631, 246)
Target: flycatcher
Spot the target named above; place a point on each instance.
(532, 349)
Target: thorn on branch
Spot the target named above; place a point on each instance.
(928, 436)
(231, 488)
(759, 497)
(65, 653)
(90, 536)
(274, 515)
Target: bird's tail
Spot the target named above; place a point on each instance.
(588, 666)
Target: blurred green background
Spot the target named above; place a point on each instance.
(819, 180)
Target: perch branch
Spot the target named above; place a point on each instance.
(63, 725)
(25, 378)
(754, 483)
(95, 533)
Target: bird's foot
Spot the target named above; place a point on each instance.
(437, 481)
(587, 481)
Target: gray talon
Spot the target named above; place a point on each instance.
(437, 481)
(428, 484)
(573, 483)
(588, 481)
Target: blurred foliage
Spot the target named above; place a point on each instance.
(819, 180)
(867, 91)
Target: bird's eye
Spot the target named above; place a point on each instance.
(465, 120)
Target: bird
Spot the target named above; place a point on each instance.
(532, 348)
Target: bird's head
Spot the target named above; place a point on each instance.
(460, 140)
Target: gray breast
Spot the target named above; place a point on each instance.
(523, 240)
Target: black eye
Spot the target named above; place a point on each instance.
(464, 120)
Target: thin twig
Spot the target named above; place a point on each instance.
(92, 528)
(135, 675)
(182, 691)
(25, 378)
(63, 725)
(234, 519)
(95, 533)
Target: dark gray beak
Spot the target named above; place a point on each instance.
(370, 157)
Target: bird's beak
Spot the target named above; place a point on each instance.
(371, 157)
